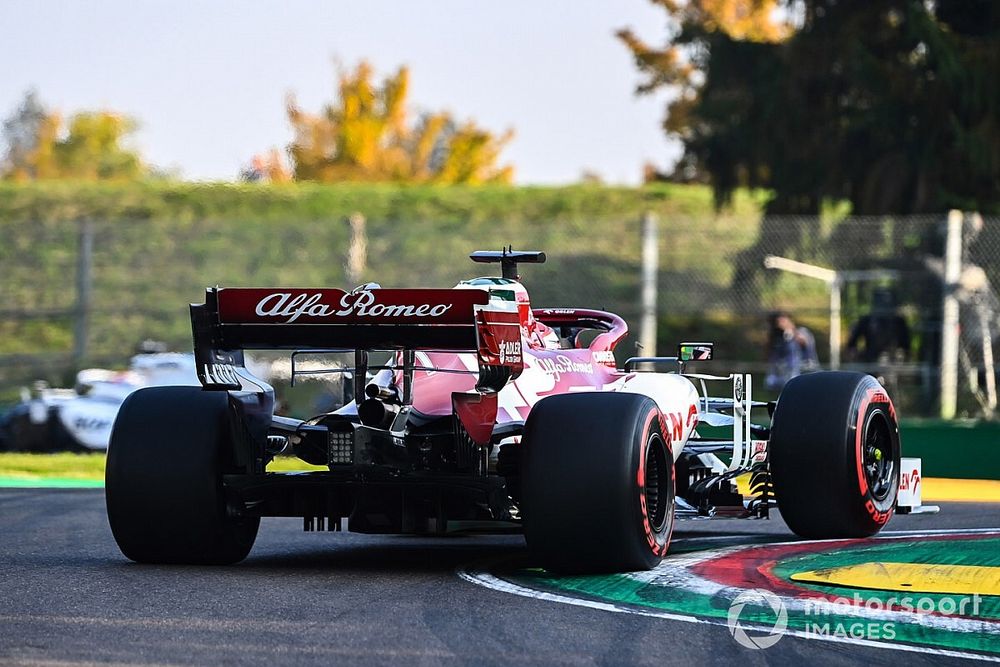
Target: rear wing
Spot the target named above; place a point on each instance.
(234, 319)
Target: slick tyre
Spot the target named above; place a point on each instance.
(834, 455)
(163, 484)
(597, 483)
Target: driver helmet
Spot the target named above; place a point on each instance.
(505, 289)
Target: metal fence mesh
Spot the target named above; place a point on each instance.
(711, 282)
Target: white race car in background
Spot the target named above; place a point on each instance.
(80, 419)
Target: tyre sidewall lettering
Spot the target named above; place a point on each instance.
(874, 400)
(657, 543)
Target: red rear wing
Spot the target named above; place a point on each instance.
(235, 319)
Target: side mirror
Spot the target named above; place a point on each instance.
(695, 351)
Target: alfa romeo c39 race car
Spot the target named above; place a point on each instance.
(488, 416)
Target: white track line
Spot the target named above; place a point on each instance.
(882, 534)
(478, 576)
(942, 531)
(489, 581)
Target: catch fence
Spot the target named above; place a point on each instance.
(86, 293)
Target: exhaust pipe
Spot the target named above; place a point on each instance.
(377, 414)
(382, 392)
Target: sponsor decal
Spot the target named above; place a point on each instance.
(560, 363)
(364, 305)
(692, 419)
(91, 424)
(361, 304)
(909, 481)
(738, 388)
(676, 426)
(334, 306)
(510, 352)
(605, 358)
(677, 423)
(759, 451)
(292, 308)
(499, 339)
(881, 518)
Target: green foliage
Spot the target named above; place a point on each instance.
(20, 136)
(62, 465)
(91, 147)
(158, 245)
(893, 106)
(365, 135)
(186, 203)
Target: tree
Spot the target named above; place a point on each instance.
(893, 106)
(365, 135)
(266, 168)
(21, 134)
(682, 63)
(90, 148)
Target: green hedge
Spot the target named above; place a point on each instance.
(58, 200)
(158, 245)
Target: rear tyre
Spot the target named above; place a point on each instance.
(834, 455)
(597, 483)
(163, 483)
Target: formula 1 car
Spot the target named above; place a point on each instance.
(487, 416)
(80, 419)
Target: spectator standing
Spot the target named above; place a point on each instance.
(791, 351)
(881, 336)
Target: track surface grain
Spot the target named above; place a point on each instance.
(68, 596)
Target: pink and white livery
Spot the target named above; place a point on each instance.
(486, 414)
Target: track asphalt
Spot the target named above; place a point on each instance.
(67, 596)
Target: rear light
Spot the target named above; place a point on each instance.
(340, 450)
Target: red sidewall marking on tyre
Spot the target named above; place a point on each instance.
(873, 396)
(859, 436)
(673, 490)
(647, 526)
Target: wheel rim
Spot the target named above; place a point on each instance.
(878, 461)
(657, 483)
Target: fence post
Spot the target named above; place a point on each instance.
(84, 268)
(357, 252)
(650, 257)
(950, 316)
(985, 313)
(835, 324)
